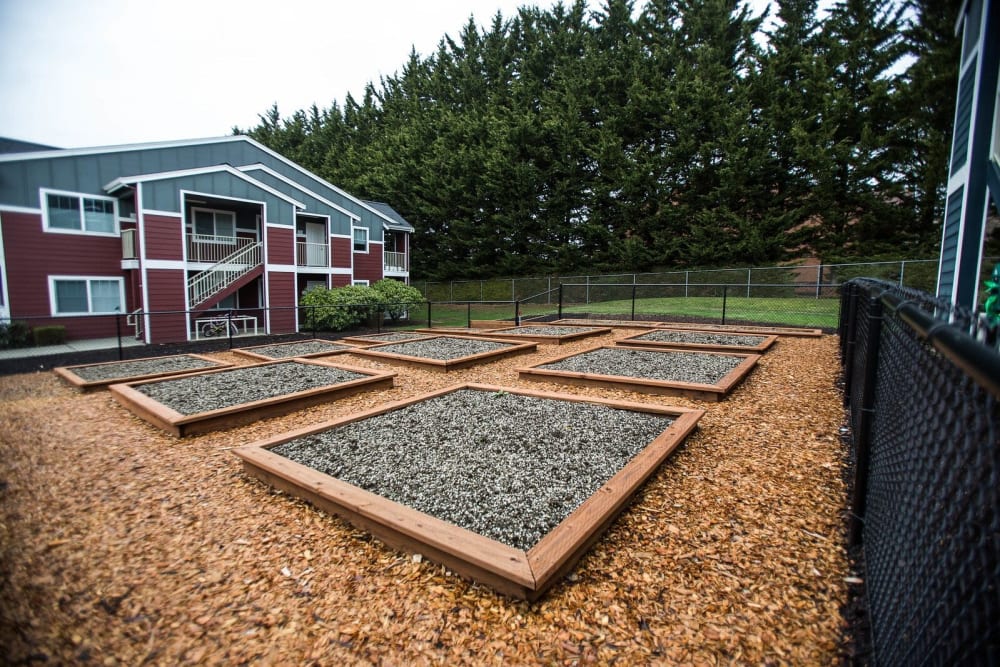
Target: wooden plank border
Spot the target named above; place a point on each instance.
(695, 390)
(68, 373)
(368, 340)
(257, 356)
(445, 365)
(509, 333)
(513, 572)
(638, 341)
(181, 425)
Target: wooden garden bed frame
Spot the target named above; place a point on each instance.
(446, 365)
(514, 572)
(68, 373)
(249, 351)
(367, 342)
(636, 340)
(742, 328)
(181, 425)
(695, 390)
(509, 333)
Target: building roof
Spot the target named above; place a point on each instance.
(8, 145)
(395, 220)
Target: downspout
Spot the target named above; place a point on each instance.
(140, 229)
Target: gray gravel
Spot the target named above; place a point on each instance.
(653, 365)
(443, 348)
(236, 386)
(140, 367)
(391, 337)
(701, 338)
(288, 350)
(546, 331)
(506, 466)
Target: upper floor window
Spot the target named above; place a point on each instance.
(360, 239)
(67, 212)
(208, 222)
(85, 296)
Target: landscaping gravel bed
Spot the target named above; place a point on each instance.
(545, 331)
(214, 391)
(391, 337)
(671, 366)
(140, 367)
(512, 482)
(288, 350)
(701, 338)
(443, 348)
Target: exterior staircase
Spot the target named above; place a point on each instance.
(225, 273)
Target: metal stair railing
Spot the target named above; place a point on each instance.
(224, 273)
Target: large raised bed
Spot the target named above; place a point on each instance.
(446, 353)
(303, 349)
(388, 337)
(701, 340)
(743, 328)
(701, 375)
(98, 376)
(215, 400)
(507, 487)
(547, 333)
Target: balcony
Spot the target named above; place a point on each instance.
(394, 262)
(207, 249)
(312, 254)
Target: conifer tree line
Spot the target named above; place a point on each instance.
(679, 133)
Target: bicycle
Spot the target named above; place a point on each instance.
(219, 327)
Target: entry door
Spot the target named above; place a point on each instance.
(316, 243)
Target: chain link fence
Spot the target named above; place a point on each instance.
(922, 384)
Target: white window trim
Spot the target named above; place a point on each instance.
(367, 240)
(360, 283)
(43, 199)
(52, 294)
(193, 230)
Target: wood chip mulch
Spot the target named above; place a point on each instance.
(120, 544)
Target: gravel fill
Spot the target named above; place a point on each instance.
(443, 348)
(392, 337)
(201, 393)
(702, 338)
(512, 482)
(546, 331)
(287, 350)
(670, 366)
(140, 367)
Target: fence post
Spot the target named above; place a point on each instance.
(229, 327)
(633, 299)
(748, 282)
(512, 290)
(429, 314)
(725, 291)
(902, 270)
(560, 300)
(468, 314)
(686, 282)
(862, 439)
(819, 278)
(517, 313)
(588, 289)
(118, 332)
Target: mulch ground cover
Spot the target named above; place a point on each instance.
(122, 545)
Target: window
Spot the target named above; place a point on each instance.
(214, 223)
(360, 283)
(360, 239)
(85, 296)
(66, 212)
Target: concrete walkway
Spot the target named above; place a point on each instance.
(71, 346)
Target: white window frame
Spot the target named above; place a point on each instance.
(80, 196)
(53, 306)
(360, 283)
(354, 242)
(215, 235)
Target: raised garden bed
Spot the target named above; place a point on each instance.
(507, 487)
(544, 333)
(215, 400)
(98, 376)
(446, 353)
(304, 349)
(702, 375)
(743, 328)
(614, 324)
(388, 337)
(701, 340)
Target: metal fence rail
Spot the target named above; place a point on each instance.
(922, 382)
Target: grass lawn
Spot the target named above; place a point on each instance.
(802, 312)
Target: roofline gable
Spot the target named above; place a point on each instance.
(122, 181)
(74, 152)
(284, 179)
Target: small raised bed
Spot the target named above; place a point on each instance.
(388, 337)
(701, 340)
(546, 333)
(507, 487)
(214, 400)
(743, 328)
(614, 324)
(701, 375)
(303, 349)
(446, 353)
(98, 376)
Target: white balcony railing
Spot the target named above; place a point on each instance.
(128, 244)
(221, 275)
(211, 249)
(394, 261)
(312, 254)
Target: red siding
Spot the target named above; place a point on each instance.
(33, 255)
(281, 296)
(340, 280)
(166, 293)
(280, 245)
(368, 265)
(164, 237)
(341, 249)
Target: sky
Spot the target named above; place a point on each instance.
(86, 73)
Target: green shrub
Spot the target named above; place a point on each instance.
(15, 333)
(339, 308)
(397, 297)
(49, 335)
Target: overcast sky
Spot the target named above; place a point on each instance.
(81, 73)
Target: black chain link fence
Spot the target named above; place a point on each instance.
(922, 384)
